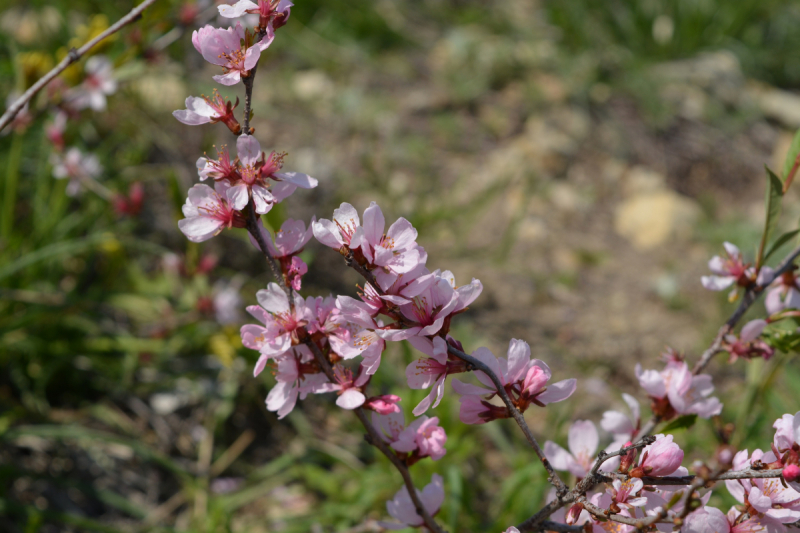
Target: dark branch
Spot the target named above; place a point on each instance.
(73, 56)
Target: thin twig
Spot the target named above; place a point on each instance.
(255, 230)
(688, 480)
(553, 478)
(750, 296)
(375, 439)
(547, 525)
(73, 56)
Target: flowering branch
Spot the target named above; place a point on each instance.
(749, 298)
(72, 57)
(688, 480)
(552, 477)
(307, 339)
(476, 364)
(375, 439)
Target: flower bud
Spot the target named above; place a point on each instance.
(661, 458)
(791, 473)
(627, 459)
(573, 514)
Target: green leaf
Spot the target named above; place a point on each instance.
(682, 422)
(773, 211)
(783, 239)
(791, 156)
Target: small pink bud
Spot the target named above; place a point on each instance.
(661, 458)
(383, 405)
(573, 514)
(791, 473)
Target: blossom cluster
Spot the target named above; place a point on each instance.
(336, 344)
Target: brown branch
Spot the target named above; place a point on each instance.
(552, 477)
(750, 296)
(547, 525)
(73, 56)
(375, 439)
(688, 480)
(254, 228)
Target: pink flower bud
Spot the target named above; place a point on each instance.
(661, 458)
(383, 405)
(573, 514)
(791, 473)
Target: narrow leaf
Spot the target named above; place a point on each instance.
(682, 422)
(791, 156)
(783, 239)
(773, 211)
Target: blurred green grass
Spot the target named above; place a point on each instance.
(96, 320)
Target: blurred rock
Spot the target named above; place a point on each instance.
(653, 214)
(776, 104)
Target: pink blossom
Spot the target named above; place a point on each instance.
(765, 496)
(208, 211)
(218, 169)
(293, 381)
(227, 302)
(232, 49)
(390, 425)
(402, 509)
(627, 493)
(285, 182)
(350, 388)
(748, 345)
(727, 271)
(251, 185)
(294, 274)
(272, 13)
(55, 130)
(394, 252)
(99, 82)
(787, 433)
(623, 428)
(77, 167)
(475, 410)
(423, 435)
(205, 110)
(291, 238)
(428, 371)
(684, 392)
(784, 294)
(521, 376)
(583, 442)
(366, 340)
(384, 404)
(511, 529)
(661, 458)
(398, 289)
(288, 241)
(711, 519)
(280, 320)
(432, 306)
(576, 513)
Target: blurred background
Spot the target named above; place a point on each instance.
(582, 159)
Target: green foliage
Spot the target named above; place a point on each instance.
(682, 422)
(773, 212)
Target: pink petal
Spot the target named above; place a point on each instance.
(350, 399)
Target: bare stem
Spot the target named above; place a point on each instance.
(73, 56)
(552, 477)
(375, 439)
(254, 228)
